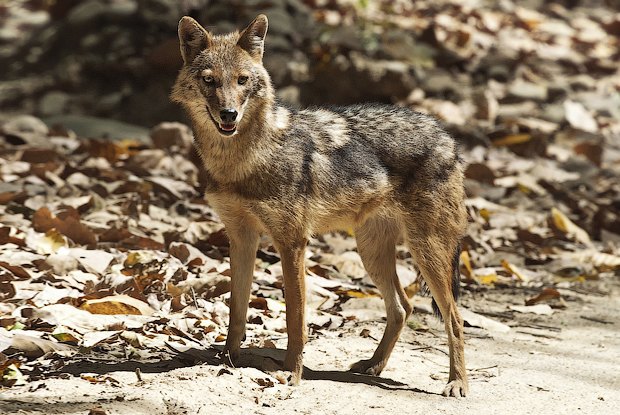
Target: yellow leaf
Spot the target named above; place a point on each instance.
(512, 139)
(516, 271)
(489, 279)
(568, 227)
(524, 189)
(466, 262)
(576, 278)
(486, 276)
(412, 289)
(355, 293)
(51, 242)
(117, 304)
(132, 259)
(65, 338)
(485, 213)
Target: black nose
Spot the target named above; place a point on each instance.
(228, 115)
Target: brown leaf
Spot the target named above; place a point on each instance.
(180, 251)
(480, 173)
(592, 151)
(5, 237)
(259, 303)
(6, 197)
(219, 238)
(39, 155)
(7, 290)
(111, 150)
(99, 379)
(67, 223)
(544, 296)
(16, 270)
(114, 234)
(127, 240)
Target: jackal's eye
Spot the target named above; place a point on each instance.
(242, 80)
(208, 79)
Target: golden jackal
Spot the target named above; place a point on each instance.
(386, 172)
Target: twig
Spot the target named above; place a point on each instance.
(596, 320)
(194, 297)
(483, 368)
(539, 326)
(431, 348)
(539, 335)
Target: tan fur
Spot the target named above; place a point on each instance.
(387, 173)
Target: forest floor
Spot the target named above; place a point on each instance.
(115, 272)
(115, 278)
(559, 364)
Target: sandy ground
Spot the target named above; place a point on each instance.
(565, 363)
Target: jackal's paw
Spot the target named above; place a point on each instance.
(368, 367)
(293, 363)
(456, 388)
(230, 357)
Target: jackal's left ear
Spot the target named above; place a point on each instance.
(252, 39)
(193, 39)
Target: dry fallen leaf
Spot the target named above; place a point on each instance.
(568, 228)
(476, 320)
(117, 304)
(67, 223)
(521, 274)
(33, 347)
(545, 295)
(540, 309)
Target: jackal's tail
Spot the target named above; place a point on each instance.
(456, 280)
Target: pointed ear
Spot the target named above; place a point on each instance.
(252, 39)
(193, 39)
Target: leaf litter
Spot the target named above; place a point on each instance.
(107, 248)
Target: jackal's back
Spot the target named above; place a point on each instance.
(367, 146)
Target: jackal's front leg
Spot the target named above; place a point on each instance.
(292, 256)
(243, 246)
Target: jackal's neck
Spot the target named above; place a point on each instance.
(230, 159)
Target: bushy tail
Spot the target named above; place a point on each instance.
(456, 280)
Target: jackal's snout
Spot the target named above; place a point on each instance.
(228, 115)
(229, 120)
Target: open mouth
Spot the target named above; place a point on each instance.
(226, 129)
(223, 128)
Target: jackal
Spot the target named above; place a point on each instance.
(386, 172)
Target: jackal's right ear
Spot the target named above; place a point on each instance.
(193, 39)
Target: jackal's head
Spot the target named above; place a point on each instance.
(223, 81)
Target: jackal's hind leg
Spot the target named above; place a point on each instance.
(433, 254)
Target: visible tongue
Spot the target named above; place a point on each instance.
(227, 127)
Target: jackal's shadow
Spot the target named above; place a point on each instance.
(272, 359)
(263, 359)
